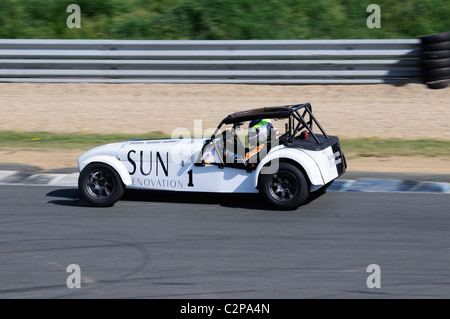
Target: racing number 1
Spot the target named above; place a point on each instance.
(191, 178)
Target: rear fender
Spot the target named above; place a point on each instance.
(111, 161)
(301, 158)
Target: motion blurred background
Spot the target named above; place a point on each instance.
(200, 247)
(222, 20)
(356, 113)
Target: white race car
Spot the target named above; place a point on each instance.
(245, 154)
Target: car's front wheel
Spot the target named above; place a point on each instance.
(286, 189)
(100, 185)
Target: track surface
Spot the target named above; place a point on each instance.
(197, 246)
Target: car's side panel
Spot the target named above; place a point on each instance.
(301, 157)
(191, 178)
(113, 162)
(212, 178)
(156, 165)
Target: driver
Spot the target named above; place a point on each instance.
(258, 137)
(259, 133)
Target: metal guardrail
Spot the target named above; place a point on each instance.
(192, 61)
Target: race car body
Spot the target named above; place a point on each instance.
(285, 169)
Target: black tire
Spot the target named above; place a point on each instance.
(100, 185)
(430, 55)
(286, 189)
(437, 37)
(436, 63)
(438, 85)
(437, 46)
(434, 79)
(437, 72)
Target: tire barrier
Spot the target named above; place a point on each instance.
(436, 60)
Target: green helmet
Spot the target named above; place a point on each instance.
(259, 131)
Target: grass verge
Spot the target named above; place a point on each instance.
(46, 140)
(363, 147)
(374, 147)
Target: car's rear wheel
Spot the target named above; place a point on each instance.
(100, 185)
(286, 189)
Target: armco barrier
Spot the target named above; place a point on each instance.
(191, 61)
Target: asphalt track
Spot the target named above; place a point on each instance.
(161, 245)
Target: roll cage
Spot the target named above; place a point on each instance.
(298, 120)
(300, 117)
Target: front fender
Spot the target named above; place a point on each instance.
(111, 161)
(304, 160)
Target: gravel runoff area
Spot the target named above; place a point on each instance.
(411, 111)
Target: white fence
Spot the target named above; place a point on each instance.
(191, 61)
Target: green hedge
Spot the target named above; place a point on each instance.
(225, 19)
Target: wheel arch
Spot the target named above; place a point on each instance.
(299, 159)
(111, 161)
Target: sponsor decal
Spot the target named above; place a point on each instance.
(153, 164)
(335, 158)
(156, 183)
